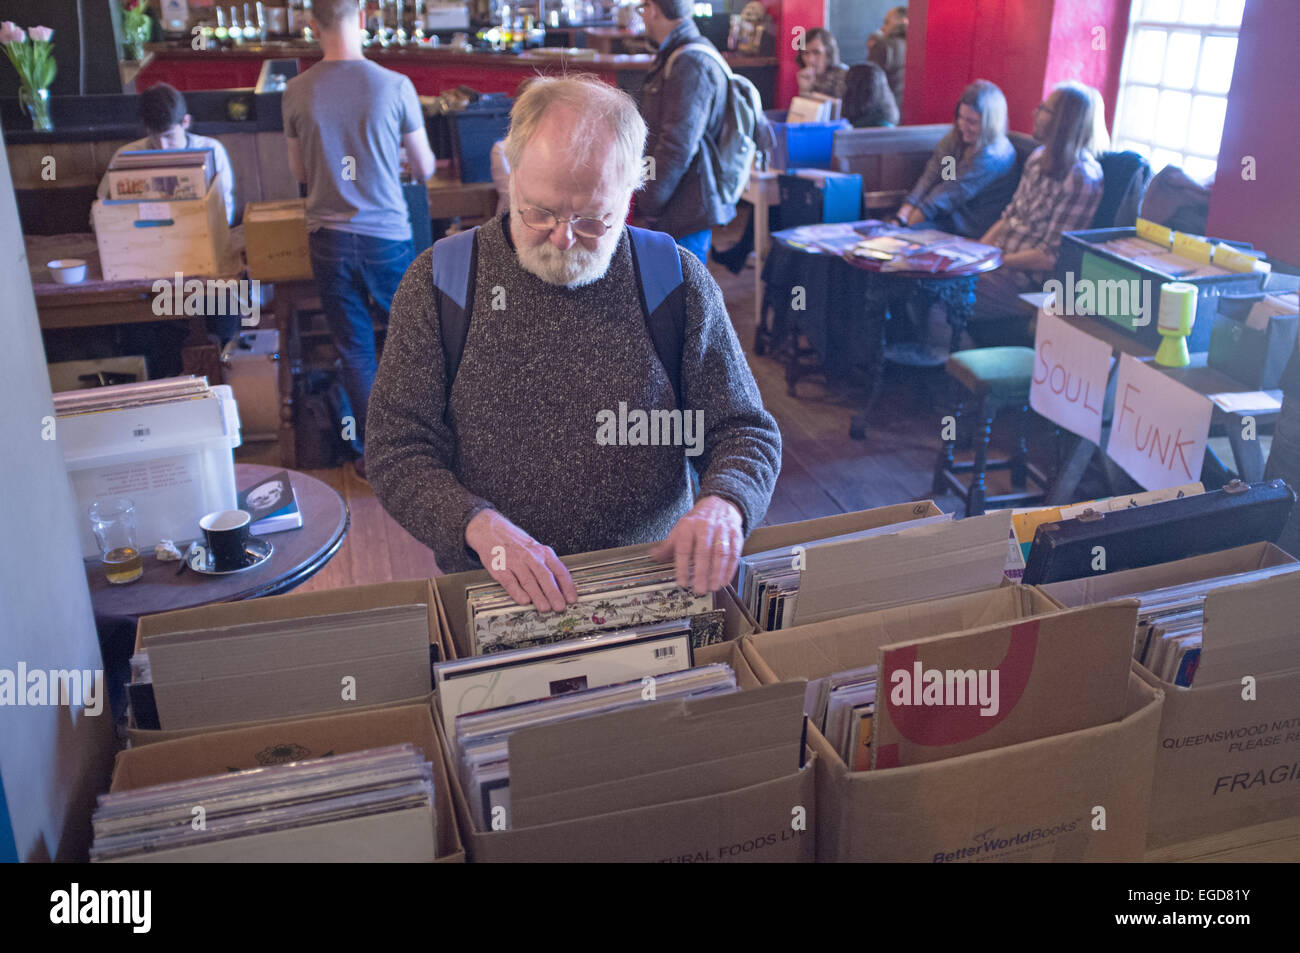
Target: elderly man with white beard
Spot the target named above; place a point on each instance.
(512, 349)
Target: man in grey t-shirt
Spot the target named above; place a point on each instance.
(346, 121)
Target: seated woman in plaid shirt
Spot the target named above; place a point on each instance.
(1059, 191)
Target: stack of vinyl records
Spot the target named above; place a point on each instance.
(1171, 619)
(485, 699)
(365, 805)
(160, 175)
(613, 595)
(842, 707)
(768, 582)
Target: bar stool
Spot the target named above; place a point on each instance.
(993, 378)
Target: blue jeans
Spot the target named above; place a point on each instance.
(698, 244)
(357, 276)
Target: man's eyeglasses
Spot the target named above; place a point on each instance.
(545, 221)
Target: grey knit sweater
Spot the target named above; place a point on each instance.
(521, 435)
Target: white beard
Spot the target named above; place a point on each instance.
(573, 268)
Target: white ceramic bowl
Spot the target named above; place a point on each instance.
(67, 271)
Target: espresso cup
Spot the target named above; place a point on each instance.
(226, 533)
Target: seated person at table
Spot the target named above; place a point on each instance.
(971, 176)
(867, 99)
(1059, 191)
(167, 124)
(820, 68)
(519, 460)
(162, 112)
(887, 48)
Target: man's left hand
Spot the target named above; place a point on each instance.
(705, 544)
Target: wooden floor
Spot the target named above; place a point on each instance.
(823, 471)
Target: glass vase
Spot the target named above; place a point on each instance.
(37, 103)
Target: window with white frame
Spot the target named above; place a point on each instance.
(1173, 93)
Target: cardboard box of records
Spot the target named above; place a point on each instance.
(238, 664)
(724, 778)
(1003, 730)
(648, 741)
(812, 571)
(330, 815)
(1221, 638)
(149, 240)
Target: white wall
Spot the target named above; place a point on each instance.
(52, 761)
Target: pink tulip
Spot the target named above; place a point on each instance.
(10, 32)
(40, 34)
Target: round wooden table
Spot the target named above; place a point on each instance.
(954, 287)
(297, 555)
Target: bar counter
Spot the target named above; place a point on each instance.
(431, 69)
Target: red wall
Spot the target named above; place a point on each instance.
(952, 42)
(789, 14)
(1263, 121)
(1072, 54)
(1025, 46)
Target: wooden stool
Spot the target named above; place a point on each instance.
(994, 378)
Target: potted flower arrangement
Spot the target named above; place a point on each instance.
(136, 28)
(33, 57)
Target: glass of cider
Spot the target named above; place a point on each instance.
(112, 519)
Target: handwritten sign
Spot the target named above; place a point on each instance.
(1070, 372)
(1160, 427)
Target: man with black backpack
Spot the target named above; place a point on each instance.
(552, 378)
(703, 122)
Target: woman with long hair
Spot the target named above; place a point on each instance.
(1059, 192)
(970, 178)
(820, 68)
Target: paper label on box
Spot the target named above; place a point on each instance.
(1071, 368)
(154, 211)
(1225, 256)
(1153, 232)
(1192, 248)
(1160, 427)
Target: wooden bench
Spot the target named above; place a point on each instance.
(889, 158)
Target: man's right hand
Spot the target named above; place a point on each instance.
(527, 570)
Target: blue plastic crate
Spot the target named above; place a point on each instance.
(804, 145)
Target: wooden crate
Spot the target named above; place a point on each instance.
(141, 240)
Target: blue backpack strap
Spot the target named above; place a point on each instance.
(658, 266)
(455, 263)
